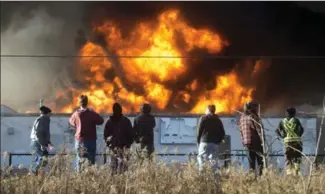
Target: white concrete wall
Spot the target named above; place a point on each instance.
(184, 142)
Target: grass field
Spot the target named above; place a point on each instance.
(159, 178)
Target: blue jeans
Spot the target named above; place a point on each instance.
(85, 150)
(207, 152)
(40, 157)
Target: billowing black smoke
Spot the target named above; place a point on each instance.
(252, 28)
(283, 30)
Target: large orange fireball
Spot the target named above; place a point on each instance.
(149, 58)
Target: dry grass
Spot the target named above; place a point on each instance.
(157, 177)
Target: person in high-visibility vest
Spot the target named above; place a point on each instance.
(291, 130)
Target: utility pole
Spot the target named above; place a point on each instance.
(41, 102)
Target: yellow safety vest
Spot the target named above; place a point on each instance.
(290, 126)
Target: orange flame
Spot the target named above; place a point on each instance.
(227, 96)
(156, 45)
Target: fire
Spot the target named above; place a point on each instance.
(149, 59)
(227, 96)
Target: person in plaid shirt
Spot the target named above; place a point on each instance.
(250, 132)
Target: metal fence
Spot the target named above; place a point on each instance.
(225, 157)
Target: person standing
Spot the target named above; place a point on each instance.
(41, 139)
(85, 121)
(119, 136)
(291, 130)
(143, 126)
(251, 127)
(210, 133)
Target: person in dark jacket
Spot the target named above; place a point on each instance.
(143, 126)
(291, 130)
(210, 133)
(85, 121)
(251, 133)
(119, 136)
(41, 139)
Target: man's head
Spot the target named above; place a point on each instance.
(251, 107)
(291, 111)
(45, 110)
(117, 109)
(211, 109)
(83, 101)
(145, 108)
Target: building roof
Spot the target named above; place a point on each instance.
(7, 110)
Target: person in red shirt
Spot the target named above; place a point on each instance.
(85, 120)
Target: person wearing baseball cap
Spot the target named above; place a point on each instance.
(40, 139)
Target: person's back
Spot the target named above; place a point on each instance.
(41, 130)
(250, 130)
(212, 129)
(144, 125)
(85, 121)
(118, 132)
(290, 129)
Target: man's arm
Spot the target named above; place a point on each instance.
(279, 130)
(107, 130)
(49, 134)
(302, 130)
(222, 129)
(136, 129)
(153, 122)
(262, 128)
(131, 133)
(199, 130)
(72, 120)
(98, 119)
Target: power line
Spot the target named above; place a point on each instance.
(163, 57)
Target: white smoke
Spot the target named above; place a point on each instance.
(25, 80)
(279, 109)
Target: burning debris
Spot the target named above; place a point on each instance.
(148, 66)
